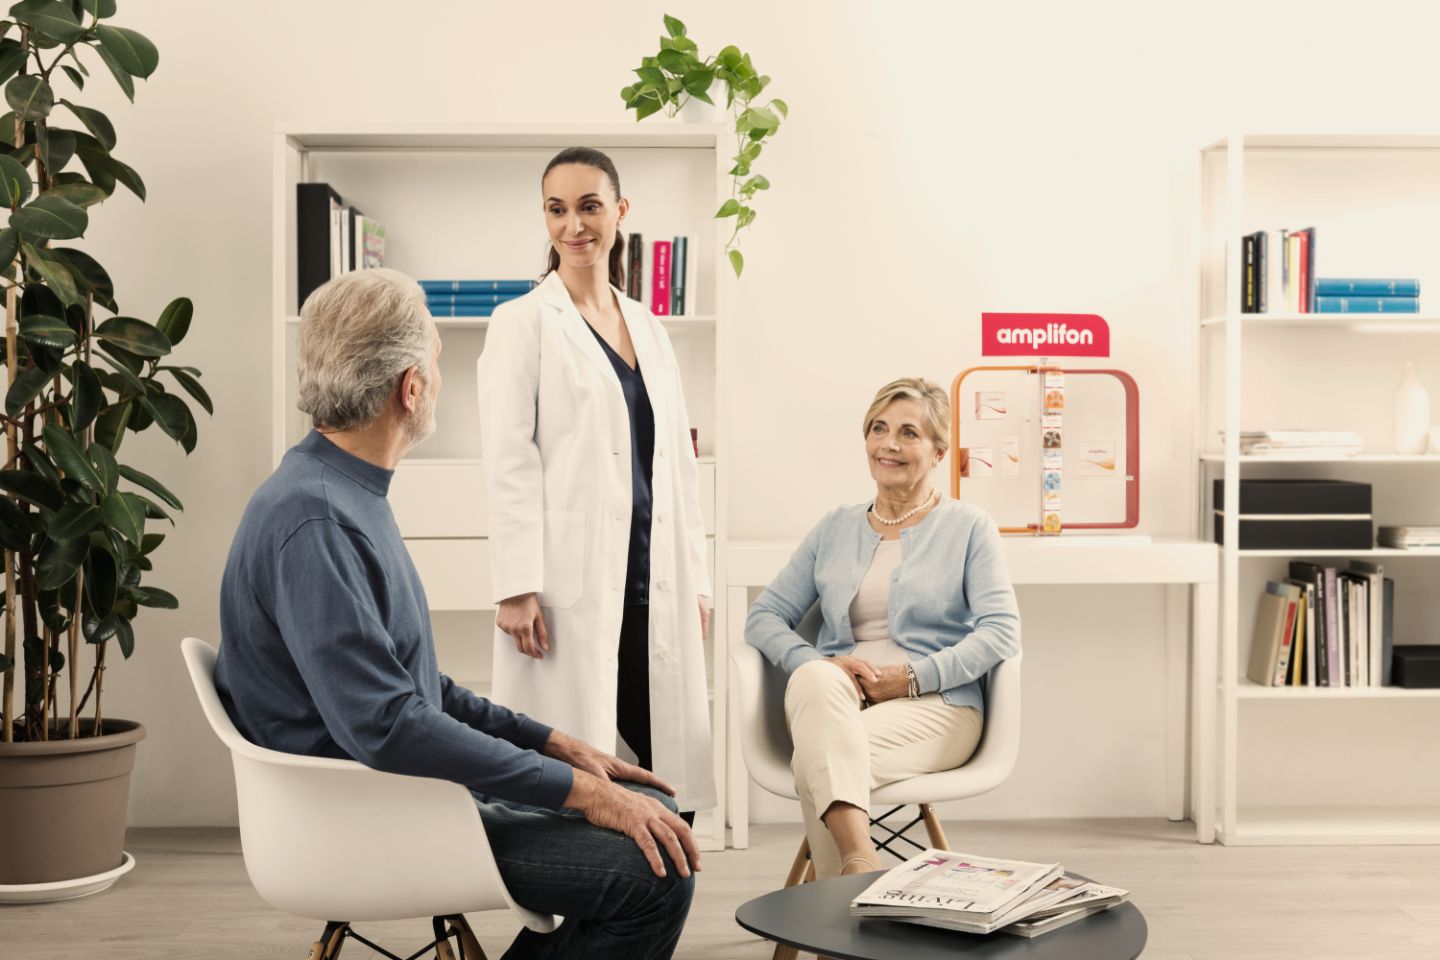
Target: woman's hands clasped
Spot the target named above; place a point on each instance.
(873, 684)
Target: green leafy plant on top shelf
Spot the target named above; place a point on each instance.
(72, 517)
(676, 75)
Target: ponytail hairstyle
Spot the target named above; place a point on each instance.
(590, 157)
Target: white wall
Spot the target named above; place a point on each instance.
(942, 159)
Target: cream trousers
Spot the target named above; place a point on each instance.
(843, 752)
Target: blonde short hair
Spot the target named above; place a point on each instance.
(358, 334)
(932, 398)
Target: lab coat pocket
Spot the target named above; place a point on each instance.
(564, 574)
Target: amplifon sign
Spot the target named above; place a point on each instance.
(1044, 335)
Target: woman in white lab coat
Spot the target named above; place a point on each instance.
(597, 545)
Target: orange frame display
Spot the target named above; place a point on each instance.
(1093, 400)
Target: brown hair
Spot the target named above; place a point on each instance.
(590, 157)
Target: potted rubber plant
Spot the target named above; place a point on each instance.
(76, 523)
(676, 77)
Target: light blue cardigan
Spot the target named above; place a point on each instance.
(952, 608)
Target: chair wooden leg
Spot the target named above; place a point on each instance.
(469, 945)
(933, 828)
(330, 942)
(801, 871)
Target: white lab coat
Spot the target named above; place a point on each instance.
(555, 439)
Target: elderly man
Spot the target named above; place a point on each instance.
(327, 649)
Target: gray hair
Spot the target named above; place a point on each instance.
(358, 334)
(932, 399)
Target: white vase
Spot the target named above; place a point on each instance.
(698, 111)
(1412, 414)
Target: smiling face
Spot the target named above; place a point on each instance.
(899, 447)
(582, 214)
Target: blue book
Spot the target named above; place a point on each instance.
(1373, 287)
(1367, 304)
(477, 286)
(462, 310)
(460, 299)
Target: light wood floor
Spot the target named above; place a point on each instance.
(189, 897)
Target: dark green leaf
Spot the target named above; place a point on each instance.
(9, 247)
(151, 484)
(58, 561)
(88, 273)
(135, 54)
(737, 262)
(15, 183)
(101, 581)
(651, 75)
(74, 76)
(728, 209)
(88, 395)
(645, 108)
(697, 82)
(98, 629)
(674, 27)
(26, 387)
(120, 364)
(97, 171)
(175, 321)
(50, 218)
(82, 194)
(40, 462)
(30, 97)
(110, 425)
(12, 58)
(51, 17)
(52, 270)
(105, 166)
(125, 636)
(192, 387)
(96, 122)
(127, 85)
(121, 515)
(50, 331)
(15, 529)
(191, 436)
(101, 9)
(5, 663)
(105, 465)
(133, 335)
(70, 457)
(74, 520)
(145, 508)
(160, 599)
(674, 61)
(729, 57)
(151, 541)
(169, 412)
(56, 147)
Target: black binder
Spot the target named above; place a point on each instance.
(313, 202)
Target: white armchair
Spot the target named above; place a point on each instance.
(338, 842)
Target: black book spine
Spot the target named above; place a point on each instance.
(1315, 574)
(312, 237)
(635, 274)
(1247, 277)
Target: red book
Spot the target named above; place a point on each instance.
(1307, 302)
(660, 280)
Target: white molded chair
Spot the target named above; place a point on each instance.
(766, 745)
(338, 842)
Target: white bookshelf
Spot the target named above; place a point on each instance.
(1373, 199)
(463, 201)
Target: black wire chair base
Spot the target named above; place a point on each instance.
(878, 824)
(336, 933)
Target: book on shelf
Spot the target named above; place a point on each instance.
(1300, 443)
(980, 895)
(1270, 640)
(1313, 575)
(660, 280)
(1376, 654)
(1408, 538)
(477, 286)
(316, 209)
(1338, 304)
(369, 243)
(1366, 287)
(1250, 254)
(679, 284)
(635, 267)
(461, 309)
(472, 299)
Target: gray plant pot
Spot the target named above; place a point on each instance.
(63, 805)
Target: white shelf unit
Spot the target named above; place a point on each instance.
(1372, 199)
(463, 201)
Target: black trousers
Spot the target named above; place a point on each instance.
(632, 700)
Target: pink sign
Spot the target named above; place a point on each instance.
(1044, 335)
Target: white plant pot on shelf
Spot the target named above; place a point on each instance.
(696, 110)
(1412, 414)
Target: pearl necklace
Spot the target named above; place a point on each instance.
(929, 502)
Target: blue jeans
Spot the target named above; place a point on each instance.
(555, 861)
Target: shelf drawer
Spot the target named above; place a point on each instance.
(448, 499)
(456, 573)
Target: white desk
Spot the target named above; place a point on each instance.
(1181, 566)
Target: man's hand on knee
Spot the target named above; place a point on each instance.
(642, 818)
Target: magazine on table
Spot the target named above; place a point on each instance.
(957, 891)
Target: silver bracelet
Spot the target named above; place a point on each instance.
(912, 683)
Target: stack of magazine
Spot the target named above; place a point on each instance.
(957, 891)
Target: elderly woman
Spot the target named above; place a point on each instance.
(917, 607)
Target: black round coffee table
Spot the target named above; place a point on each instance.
(815, 917)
